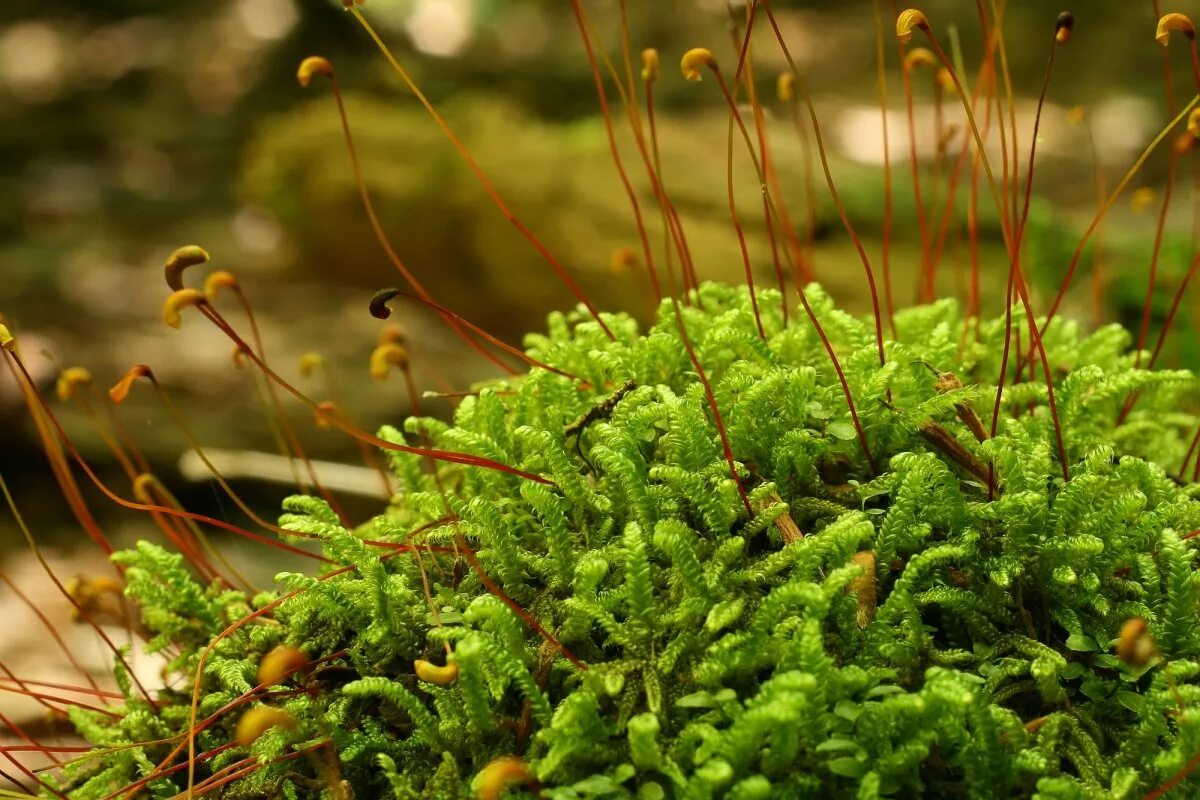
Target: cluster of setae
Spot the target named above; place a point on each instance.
(743, 553)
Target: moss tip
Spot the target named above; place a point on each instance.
(909, 21)
(1135, 646)
(1063, 27)
(694, 60)
(379, 303)
(384, 357)
(311, 67)
(187, 256)
(279, 664)
(919, 57)
(622, 259)
(309, 363)
(1142, 198)
(785, 86)
(177, 301)
(431, 673)
(392, 333)
(257, 721)
(1174, 22)
(221, 279)
(650, 65)
(324, 414)
(120, 390)
(500, 775)
(69, 381)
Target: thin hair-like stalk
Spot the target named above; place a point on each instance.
(1120, 188)
(914, 20)
(83, 612)
(618, 162)
(888, 202)
(833, 191)
(692, 61)
(913, 158)
(373, 217)
(441, 455)
(60, 435)
(776, 210)
(482, 177)
(1015, 277)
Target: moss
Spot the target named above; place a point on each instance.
(628, 630)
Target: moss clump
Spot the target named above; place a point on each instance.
(890, 635)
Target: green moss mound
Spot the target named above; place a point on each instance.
(888, 635)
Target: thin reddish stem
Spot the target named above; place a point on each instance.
(888, 204)
(482, 177)
(135, 506)
(808, 310)
(475, 329)
(1108, 204)
(377, 227)
(733, 212)
(834, 194)
(1014, 271)
(606, 115)
(440, 455)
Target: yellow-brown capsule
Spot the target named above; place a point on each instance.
(1174, 22)
(622, 259)
(82, 588)
(1184, 143)
(944, 79)
(392, 333)
(238, 355)
(69, 381)
(310, 363)
(313, 65)
(1135, 646)
(120, 391)
(864, 588)
(500, 775)
(324, 412)
(221, 279)
(650, 65)
(177, 301)
(384, 357)
(909, 21)
(257, 721)
(1142, 198)
(186, 256)
(94, 596)
(693, 60)
(785, 86)
(946, 382)
(432, 673)
(6, 339)
(1064, 27)
(920, 57)
(379, 302)
(141, 488)
(1193, 124)
(279, 664)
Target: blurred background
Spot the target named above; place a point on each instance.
(130, 127)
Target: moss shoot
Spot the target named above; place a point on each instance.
(962, 623)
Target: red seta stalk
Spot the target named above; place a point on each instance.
(482, 177)
(606, 115)
(835, 195)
